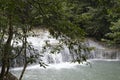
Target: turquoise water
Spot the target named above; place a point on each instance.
(100, 70)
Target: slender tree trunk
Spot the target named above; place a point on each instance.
(25, 56)
(8, 67)
(5, 54)
(23, 71)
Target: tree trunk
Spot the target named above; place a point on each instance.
(6, 51)
(23, 71)
(25, 56)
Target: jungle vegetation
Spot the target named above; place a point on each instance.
(72, 20)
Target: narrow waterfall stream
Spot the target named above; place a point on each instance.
(105, 63)
(101, 52)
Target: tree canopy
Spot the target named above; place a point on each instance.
(18, 17)
(70, 20)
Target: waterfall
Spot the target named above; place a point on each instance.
(49, 58)
(102, 52)
(99, 51)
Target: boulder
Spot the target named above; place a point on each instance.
(10, 76)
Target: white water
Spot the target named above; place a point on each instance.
(105, 63)
(66, 65)
(64, 57)
(101, 52)
(40, 41)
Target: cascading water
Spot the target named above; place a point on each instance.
(49, 58)
(99, 51)
(60, 67)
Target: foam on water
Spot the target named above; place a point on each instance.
(104, 60)
(66, 65)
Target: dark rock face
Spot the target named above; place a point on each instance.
(10, 76)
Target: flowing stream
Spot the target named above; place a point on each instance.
(104, 63)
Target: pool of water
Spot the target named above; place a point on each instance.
(99, 70)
